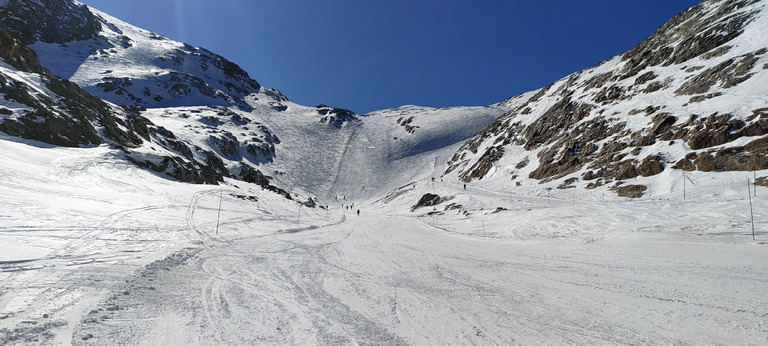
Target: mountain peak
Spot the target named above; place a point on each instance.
(692, 33)
(50, 21)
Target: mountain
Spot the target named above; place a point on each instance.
(152, 192)
(197, 117)
(692, 96)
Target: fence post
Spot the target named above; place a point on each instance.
(751, 214)
(482, 219)
(218, 215)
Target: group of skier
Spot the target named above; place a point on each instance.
(348, 207)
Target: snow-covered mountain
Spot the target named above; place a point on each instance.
(411, 225)
(693, 96)
(201, 118)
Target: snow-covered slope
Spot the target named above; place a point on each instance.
(693, 96)
(95, 250)
(131, 66)
(379, 152)
(41, 106)
(208, 119)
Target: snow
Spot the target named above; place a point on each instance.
(112, 254)
(152, 64)
(30, 80)
(737, 101)
(94, 250)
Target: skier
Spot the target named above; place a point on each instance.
(358, 212)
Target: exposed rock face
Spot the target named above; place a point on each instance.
(483, 165)
(612, 122)
(335, 117)
(630, 191)
(67, 121)
(405, 122)
(53, 21)
(728, 73)
(253, 175)
(693, 32)
(721, 129)
(748, 158)
(651, 165)
(554, 122)
(427, 200)
(231, 154)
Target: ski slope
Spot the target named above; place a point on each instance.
(96, 251)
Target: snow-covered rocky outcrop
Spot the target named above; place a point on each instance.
(693, 96)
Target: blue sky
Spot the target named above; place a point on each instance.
(366, 55)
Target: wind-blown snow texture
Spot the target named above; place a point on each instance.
(95, 249)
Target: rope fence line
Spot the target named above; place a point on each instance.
(483, 201)
(686, 191)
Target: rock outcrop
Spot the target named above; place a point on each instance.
(683, 89)
(427, 200)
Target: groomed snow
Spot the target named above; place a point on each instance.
(96, 251)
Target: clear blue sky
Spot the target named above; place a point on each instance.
(366, 55)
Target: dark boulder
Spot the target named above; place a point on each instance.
(651, 165)
(630, 191)
(427, 200)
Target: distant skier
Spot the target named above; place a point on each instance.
(358, 212)
(465, 186)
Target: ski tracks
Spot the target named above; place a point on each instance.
(194, 205)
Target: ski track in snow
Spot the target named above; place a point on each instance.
(95, 251)
(393, 280)
(137, 260)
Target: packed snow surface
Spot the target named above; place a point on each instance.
(96, 251)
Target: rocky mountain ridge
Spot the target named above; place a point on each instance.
(196, 117)
(692, 96)
(42, 106)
